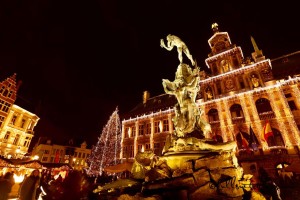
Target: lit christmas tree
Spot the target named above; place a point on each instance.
(108, 148)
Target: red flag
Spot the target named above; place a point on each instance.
(245, 143)
(267, 131)
(56, 159)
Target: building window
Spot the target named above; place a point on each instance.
(6, 107)
(126, 134)
(236, 111)
(156, 127)
(13, 120)
(165, 125)
(2, 89)
(131, 151)
(125, 152)
(79, 155)
(263, 105)
(148, 128)
(45, 159)
(292, 105)
(5, 92)
(23, 123)
(6, 137)
(147, 146)
(75, 154)
(1, 120)
(213, 115)
(157, 149)
(141, 129)
(133, 131)
(46, 152)
(83, 155)
(16, 140)
(140, 148)
(288, 95)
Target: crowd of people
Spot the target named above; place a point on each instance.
(44, 186)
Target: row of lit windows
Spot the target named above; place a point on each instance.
(13, 121)
(129, 150)
(16, 139)
(4, 106)
(145, 129)
(78, 155)
(262, 105)
(5, 92)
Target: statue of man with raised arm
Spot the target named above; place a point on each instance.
(174, 41)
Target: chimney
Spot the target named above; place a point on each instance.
(146, 96)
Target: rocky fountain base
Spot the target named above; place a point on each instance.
(182, 173)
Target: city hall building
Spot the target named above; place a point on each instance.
(239, 95)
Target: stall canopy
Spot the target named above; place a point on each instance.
(34, 164)
(126, 166)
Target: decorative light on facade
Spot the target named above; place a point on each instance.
(279, 120)
(36, 157)
(237, 71)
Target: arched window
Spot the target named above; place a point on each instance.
(263, 105)
(237, 114)
(236, 111)
(264, 109)
(276, 139)
(213, 115)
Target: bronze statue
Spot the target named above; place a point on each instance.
(181, 47)
(187, 117)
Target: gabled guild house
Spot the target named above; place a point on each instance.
(252, 100)
(16, 123)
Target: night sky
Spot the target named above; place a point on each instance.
(79, 60)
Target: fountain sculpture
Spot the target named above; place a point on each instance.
(192, 166)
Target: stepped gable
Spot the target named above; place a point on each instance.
(8, 89)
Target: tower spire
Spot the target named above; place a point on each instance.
(257, 55)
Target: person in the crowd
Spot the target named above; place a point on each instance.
(267, 186)
(72, 186)
(29, 186)
(6, 183)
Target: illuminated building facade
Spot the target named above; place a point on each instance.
(238, 93)
(16, 123)
(46, 152)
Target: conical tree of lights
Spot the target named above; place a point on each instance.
(107, 150)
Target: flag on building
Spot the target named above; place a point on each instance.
(245, 142)
(252, 140)
(267, 131)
